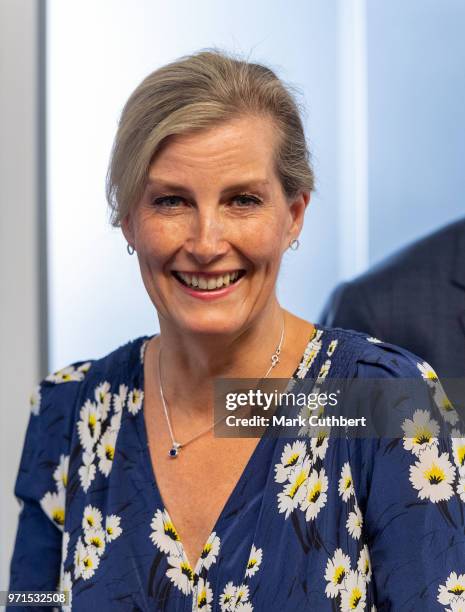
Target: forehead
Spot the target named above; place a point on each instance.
(239, 148)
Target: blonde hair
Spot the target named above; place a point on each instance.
(197, 92)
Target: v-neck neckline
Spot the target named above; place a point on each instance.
(143, 434)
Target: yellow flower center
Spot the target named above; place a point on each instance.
(458, 589)
(202, 599)
(171, 531)
(58, 516)
(355, 598)
(297, 484)
(315, 493)
(187, 570)
(109, 452)
(97, 542)
(292, 460)
(435, 475)
(423, 436)
(347, 482)
(461, 455)
(339, 574)
(251, 563)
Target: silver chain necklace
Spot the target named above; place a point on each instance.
(176, 446)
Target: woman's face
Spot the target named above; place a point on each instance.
(212, 226)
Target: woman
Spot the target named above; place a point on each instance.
(129, 500)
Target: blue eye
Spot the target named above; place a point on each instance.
(245, 199)
(167, 201)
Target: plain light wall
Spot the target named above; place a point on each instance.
(416, 119)
(97, 53)
(20, 265)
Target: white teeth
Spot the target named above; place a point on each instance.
(209, 282)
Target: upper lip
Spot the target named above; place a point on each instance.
(214, 273)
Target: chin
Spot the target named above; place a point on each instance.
(210, 325)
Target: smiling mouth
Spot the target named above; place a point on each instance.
(208, 282)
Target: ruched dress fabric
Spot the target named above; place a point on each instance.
(313, 524)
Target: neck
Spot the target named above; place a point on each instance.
(190, 361)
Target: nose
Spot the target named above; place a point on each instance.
(206, 241)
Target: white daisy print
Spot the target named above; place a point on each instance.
(427, 372)
(61, 472)
(420, 432)
(452, 590)
(34, 401)
(354, 523)
(432, 475)
(336, 572)
(103, 398)
(180, 574)
(204, 595)
(444, 404)
(112, 527)
(332, 347)
(458, 449)
(119, 399)
(89, 425)
(319, 442)
(291, 456)
(353, 596)
(92, 517)
(346, 483)
(310, 354)
(324, 370)
(106, 451)
(79, 553)
(164, 534)
(458, 605)
(241, 595)
(66, 586)
(68, 374)
(209, 551)
(135, 401)
(253, 564)
(374, 340)
(88, 562)
(95, 536)
(364, 564)
(461, 488)
(315, 494)
(294, 491)
(227, 597)
(53, 504)
(87, 470)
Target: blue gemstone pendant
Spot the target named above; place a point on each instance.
(174, 450)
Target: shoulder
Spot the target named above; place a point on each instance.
(357, 354)
(75, 379)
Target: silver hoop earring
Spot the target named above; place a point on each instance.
(294, 244)
(130, 249)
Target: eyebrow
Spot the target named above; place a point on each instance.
(244, 186)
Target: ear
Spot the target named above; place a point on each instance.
(127, 229)
(297, 210)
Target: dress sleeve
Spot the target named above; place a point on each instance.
(40, 486)
(411, 490)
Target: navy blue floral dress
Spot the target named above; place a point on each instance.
(314, 523)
